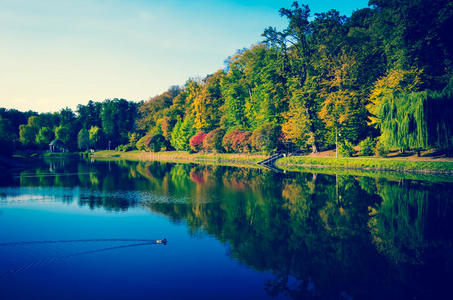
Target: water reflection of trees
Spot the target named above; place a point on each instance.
(322, 236)
(412, 218)
(94, 185)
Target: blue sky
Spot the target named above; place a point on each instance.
(58, 53)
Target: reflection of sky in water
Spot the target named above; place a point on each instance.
(78, 195)
(190, 264)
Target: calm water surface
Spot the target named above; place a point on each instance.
(86, 230)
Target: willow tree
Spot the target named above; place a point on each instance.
(403, 124)
(418, 120)
(396, 82)
(438, 108)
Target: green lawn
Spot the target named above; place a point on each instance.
(367, 163)
(370, 163)
(59, 154)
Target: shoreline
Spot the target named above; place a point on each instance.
(371, 164)
(180, 156)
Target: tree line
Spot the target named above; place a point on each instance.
(97, 125)
(382, 75)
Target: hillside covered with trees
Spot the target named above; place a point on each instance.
(382, 75)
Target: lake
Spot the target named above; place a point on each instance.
(80, 229)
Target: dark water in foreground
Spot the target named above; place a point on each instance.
(86, 231)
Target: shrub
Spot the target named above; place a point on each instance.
(241, 142)
(133, 143)
(124, 148)
(237, 141)
(140, 145)
(227, 141)
(213, 141)
(133, 138)
(196, 142)
(381, 149)
(346, 149)
(367, 147)
(266, 138)
(156, 143)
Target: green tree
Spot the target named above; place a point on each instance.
(95, 136)
(175, 140)
(182, 133)
(7, 137)
(266, 138)
(83, 139)
(396, 82)
(235, 94)
(418, 120)
(155, 108)
(295, 52)
(207, 102)
(27, 135)
(416, 34)
(63, 133)
(118, 119)
(44, 137)
(297, 127)
(254, 89)
(89, 115)
(15, 118)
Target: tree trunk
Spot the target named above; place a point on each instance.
(313, 180)
(314, 148)
(311, 128)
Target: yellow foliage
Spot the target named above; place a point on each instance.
(206, 100)
(296, 199)
(338, 107)
(295, 127)
(395, 82)
(133, 138)
(200, 106)
(338, 71)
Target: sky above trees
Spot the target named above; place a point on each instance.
(61, 53)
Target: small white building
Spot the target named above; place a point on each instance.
(56, 146)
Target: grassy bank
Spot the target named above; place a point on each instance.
(289, 163)
(59, 154)
(390, 175)
(370, 163)
(181, 156)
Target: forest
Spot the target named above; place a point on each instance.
(380, 78)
